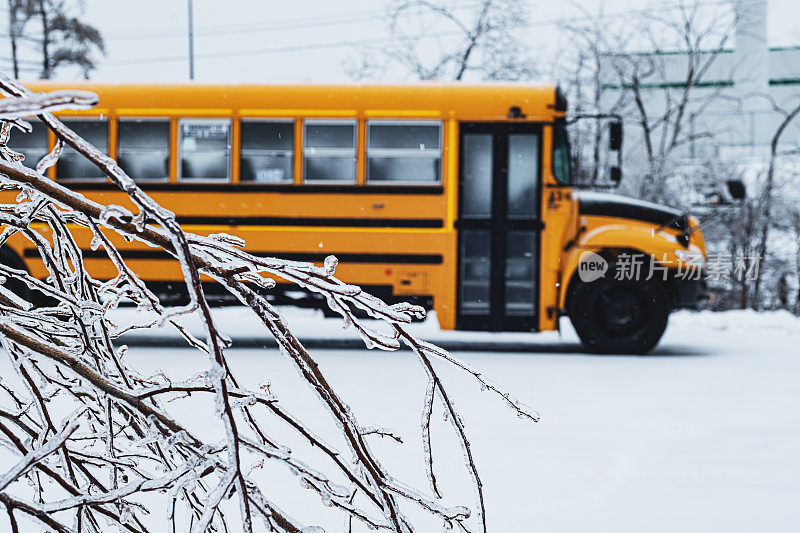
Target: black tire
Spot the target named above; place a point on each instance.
(619, 316)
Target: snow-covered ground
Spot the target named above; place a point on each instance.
(702, 435)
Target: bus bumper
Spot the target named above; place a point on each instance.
(691, 294)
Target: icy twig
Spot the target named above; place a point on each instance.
(63, 349)
(35, 104)
(38, 454)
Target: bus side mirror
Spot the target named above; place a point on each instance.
(615, 136)
(615, 174)
(737, 189)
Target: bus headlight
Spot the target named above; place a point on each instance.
(691, 257)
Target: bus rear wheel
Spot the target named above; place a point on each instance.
(619, 316)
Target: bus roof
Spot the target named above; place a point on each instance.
(418, 100)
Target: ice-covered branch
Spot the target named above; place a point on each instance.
(34, 104)
(38, 454)
(62, 347)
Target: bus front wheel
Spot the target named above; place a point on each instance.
(619, 316)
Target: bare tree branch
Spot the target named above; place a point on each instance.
(131, 444)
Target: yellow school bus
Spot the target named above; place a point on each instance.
(457, 197)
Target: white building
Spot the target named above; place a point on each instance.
(730, 113)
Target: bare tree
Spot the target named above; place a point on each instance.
(738, 235)
(65, 39)
(445, 40)
(787, 116)
(20, 12)
(673, 79)
(120, 441)
(580, 69)
(765, 217)
(795, 227)
(658, 91)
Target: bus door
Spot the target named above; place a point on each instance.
(499, 226)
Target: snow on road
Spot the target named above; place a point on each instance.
(701, 435)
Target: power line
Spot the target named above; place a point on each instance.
(345, 18)
(385, 40)
(252, 52)
(22, 61)
(299, 23)
(213, 31)
(223, 31)
(318, 21)
(276, 24)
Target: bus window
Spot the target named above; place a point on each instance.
(404, 151)
(205, 149)
(143, 148)
(475, 272)
(329, 150)
(476, 188)
(523, 175)
(72, 165)
(32, 145)
(267, 151)
(520, 276)
(561, 163)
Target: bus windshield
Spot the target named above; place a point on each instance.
(561, 162)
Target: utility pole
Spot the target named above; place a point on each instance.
(191, 41)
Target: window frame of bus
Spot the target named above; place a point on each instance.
(292, 152)
(408, 152)
(68, 150)
(184, 120)
(121, 120)
(330, 122)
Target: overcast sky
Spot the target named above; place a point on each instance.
(298, 40)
